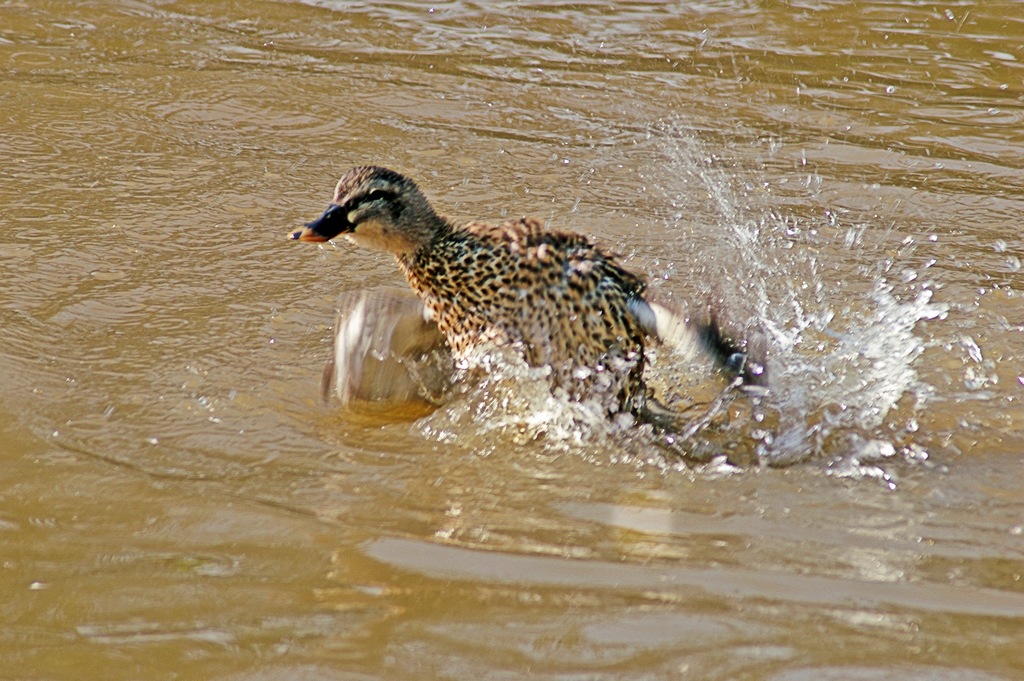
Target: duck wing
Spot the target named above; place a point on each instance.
(385, 349)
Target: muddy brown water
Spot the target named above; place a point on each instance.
(176, 503)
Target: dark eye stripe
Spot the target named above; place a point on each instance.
(372, 195)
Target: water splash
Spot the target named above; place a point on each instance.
(841, 356)
(499, 399)
(844, 390)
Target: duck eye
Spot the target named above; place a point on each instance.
(375, 194)
(370, 197)
(355, 205)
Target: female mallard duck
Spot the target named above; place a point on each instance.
(554, 297)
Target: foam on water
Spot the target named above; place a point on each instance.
(499, 399)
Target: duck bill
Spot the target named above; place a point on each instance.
(333, 222)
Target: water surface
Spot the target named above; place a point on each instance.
(177, 502)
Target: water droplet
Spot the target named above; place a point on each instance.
(973, 351)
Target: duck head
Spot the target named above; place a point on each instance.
(377, 208)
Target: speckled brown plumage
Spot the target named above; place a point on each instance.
(556, 297)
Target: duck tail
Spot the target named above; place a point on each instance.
(746, 358)
(744, 355)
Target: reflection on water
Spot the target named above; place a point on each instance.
(844, 177)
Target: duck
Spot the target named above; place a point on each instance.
(554, 298)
